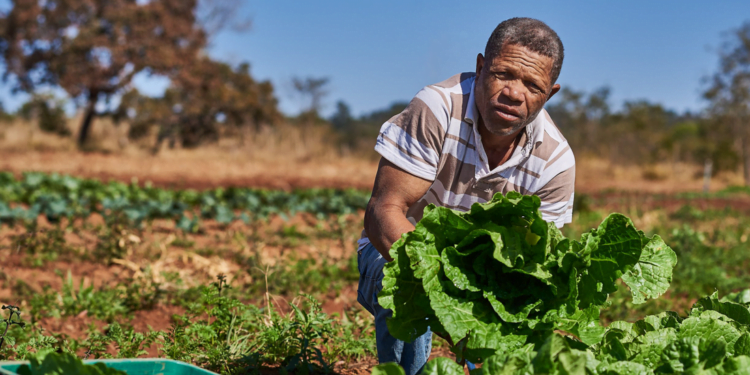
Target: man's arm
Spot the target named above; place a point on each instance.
(394, 192)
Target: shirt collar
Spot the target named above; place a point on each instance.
(470, 116)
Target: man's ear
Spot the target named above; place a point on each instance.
(480, 64)
(554, 91)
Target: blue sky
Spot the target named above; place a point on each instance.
(382, 51)
(376, 53)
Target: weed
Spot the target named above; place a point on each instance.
(183, 242)
(35, 343)
(294, 276)
(42, 246)
(44, 304)
(104, 303)
(12, 310)
(116, 240)
(704, 267)
(308, 327)
(288, 237)
(354, 338)
(127, 342)
(141, 294)
(212, 332)
(295, 340)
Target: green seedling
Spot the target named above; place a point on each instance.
(13, 310)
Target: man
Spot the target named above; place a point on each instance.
(459, 142)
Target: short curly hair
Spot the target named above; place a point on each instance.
(530, 33)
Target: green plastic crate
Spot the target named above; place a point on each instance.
(136, 366)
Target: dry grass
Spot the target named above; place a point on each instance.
(283, 141)
(594, 175)
(285, 157)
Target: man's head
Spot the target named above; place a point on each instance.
(517, 74)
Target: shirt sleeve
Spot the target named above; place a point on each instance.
(413, 139)
(557, 197)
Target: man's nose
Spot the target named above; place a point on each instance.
(512, 92)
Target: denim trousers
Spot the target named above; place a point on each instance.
(411, 356)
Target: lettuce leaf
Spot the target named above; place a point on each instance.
(499, 277)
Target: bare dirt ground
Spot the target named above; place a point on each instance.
(199, 170)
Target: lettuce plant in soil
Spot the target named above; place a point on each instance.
(499, 279)
(714, 339)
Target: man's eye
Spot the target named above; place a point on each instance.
(502, 75)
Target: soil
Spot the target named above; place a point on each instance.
(197, 170)
(643, 201)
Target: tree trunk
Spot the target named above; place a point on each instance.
(746, 159)
(88, 119)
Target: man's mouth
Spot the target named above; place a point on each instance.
(507, 113)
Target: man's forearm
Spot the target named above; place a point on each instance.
(384, 225)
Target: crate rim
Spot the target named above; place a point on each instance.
(103, 360)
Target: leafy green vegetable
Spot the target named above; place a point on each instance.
(390, 368)
(499, 277)
(57, 196)
(714, 340)
(442, 366)
(652, 274)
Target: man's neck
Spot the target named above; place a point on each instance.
(498, 148)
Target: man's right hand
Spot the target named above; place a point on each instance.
(394, 192)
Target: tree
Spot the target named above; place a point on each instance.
(217, 15)
(49, 112)
(360, 133)
(342, 119)
(581, 116)
(202, 98)
(377, 118)
(312, 90)
(729, 94)
(641, 132)
(93, 48)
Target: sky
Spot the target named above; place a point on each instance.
(377, 53)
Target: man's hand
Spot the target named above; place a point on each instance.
(394, 192)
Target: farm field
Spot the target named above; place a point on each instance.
(238, 280)
(188, 181)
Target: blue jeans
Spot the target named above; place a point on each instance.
(411, 356)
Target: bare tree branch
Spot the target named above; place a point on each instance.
(215, 16)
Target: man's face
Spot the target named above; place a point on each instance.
(512, 89)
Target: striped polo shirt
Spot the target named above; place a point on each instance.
(436, 138)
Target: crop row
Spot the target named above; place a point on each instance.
(58, 196)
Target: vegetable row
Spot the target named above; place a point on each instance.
(57, 196)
